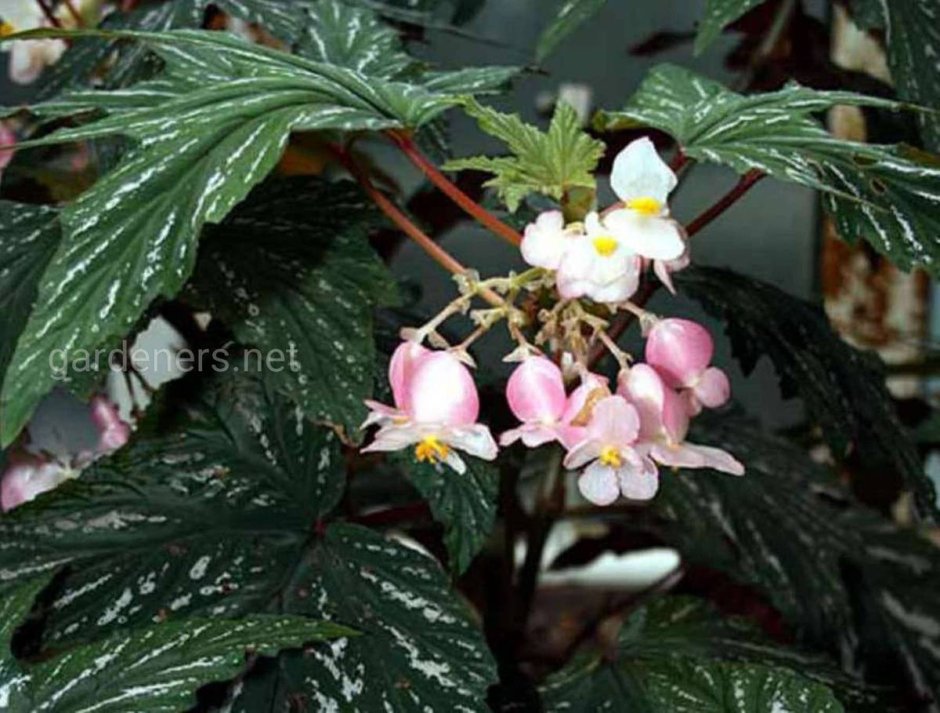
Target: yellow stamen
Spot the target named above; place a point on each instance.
(6, 29)
(605, 245)
(611, 456)
(646, 205)
(431, 450)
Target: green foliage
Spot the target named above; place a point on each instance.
(292, 273)
(556, 163)
(154, 668)
(843, 388)
(718, 15)
(677, 655)
(912, 32)
(209, 129)
(887, 195)
(571, 14)
(464, 504)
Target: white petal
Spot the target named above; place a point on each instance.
(475, 440)
(545, 241)
(649, 236)
(639, 172)
(639, 484)
(583, 452)
(395, 438)
(598, 484)
(454, 461)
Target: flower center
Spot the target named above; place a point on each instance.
(6, 28)
(645, 205)
(431, 450)
(605, 245)
(611, 456)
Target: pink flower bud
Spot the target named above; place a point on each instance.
(25, 478)
(662, 412)
(439, 389)
(113, 432)
(680, 351)
(712, 389)
(401, 368)
(536, 391)
(7, 142)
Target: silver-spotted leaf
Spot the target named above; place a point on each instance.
(718, 15)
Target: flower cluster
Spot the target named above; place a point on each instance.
(616, 434)
(28, 475)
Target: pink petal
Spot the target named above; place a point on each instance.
(7, 142)
(380, 413)
(583, 452)
(533, 435)
(598, 484)
(441, 390)
(113, 438)
(25, 478)
(614, 421)
(713, 389)
(662, 411)
(679, 350)
(639, 483)
(536, 391)
(400, 369)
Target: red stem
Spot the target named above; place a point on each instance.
(50, 16)
(649, 287)
(466, 203)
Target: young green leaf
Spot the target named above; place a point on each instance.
(465, 504)
(888, 195)
(208, 130)
(569, 16)
(843, 388)
(678, 655)
(551, 163)
(718, 15)
(292, 273)
(912, 30)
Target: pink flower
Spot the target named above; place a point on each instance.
(536, 395)
(113, 432)
(681, 352)
(609, 447)
(7, 142)
(665, 422)
(579, 407)
(26, 477)
(436, 409)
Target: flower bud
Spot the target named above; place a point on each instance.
(536, 392)
(440, 390)
(680, 351)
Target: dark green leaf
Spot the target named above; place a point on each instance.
(849, 582)
(551, 163)
(912, 30)
(28, 238)
(843, 388)
(569, 16)
(718, 15)
(292, 273)
(213, 126)
(419, 651)
(464, 504)
(205, 519)
(677, 655)
(887, 195)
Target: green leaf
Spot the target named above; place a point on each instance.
(842, 387)
(28, 237)
(886, 194)
(292, 273)
(551, 163)
(157, 668)
(718, 15)
(912, 32)
(849, 582)
(202, 518)
(569, 16)
(418, 652)
(212, 127)
(464, 504)
(677, 655)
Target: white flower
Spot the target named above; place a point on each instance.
(28, 58)
(546, 240)
(643, 182)
(599, 265)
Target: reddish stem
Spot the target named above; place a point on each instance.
(50, 15)
(466, 203)
(76, 15)
(437, 253)
(649, 287)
